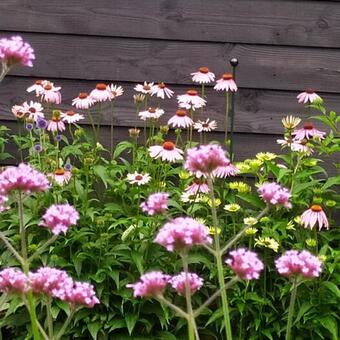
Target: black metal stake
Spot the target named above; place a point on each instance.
(233, 63)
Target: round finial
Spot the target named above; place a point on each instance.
(233, 62)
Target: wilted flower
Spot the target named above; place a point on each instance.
(203, 76)
(313, 215)
(178, 282)
(138, 98)
(267, 242)
(156, 203)
(134, 132)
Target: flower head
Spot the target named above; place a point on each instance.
(61, 176)
(226, 83)
(308, 131)
(33, 110)
(56, 124)
(116, 91)
(204, 159)
(203, 76)
(182, 233)
(37, 87)
(166, 152)
(240, 187)
(293, 263)
(84, 101)
(267, 242)
(290, 122)
(191, 100)
(205, 126)
(273, 193)
(71, 117)
(151, 113)
(41, 123)
(50, 93)
(308, 96)
(82, 293)
(24, 178)
(138, 178)
(177, 282)
(180, 119)
(15, 51)
(101, 93)
(18, 111)
(150, 284)
(156, 203)
(313, 215)
(161, 90)
(59, 218)
(226, 171)
(145, 88)
(233, 207)
(245, 264)
(13, 280)
(198, 186)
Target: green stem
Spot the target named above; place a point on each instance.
(93, 126)
(22, 228)
(65, 325)
(226, 117)
(43, 247)
(11, 248)
(219, 264)
(291, 309)
(4, 71)
(190, 127)
(49, 317)
(176, 309)
(111, 127)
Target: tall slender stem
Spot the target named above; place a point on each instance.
(65, 325)
(111, 127)
(219, 264)
(178, 310)
(226, 117)
(11, 248)
(49, 317)
(291, 309)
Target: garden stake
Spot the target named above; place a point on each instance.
(233, 63)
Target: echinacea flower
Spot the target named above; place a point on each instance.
(226, 171)
(290, 122)
(182, 233)
(313, 215)
(116, 91)
(188, 197)
(56, 124)
(71, 117)
(61, 176)
(178, 282)
(138, 98)
(245, 264)
(18, 111)
(180, 119)
(308, 96)
(294, 263)
(308, 131)
(296, 145)
(204, 159)
(138, 178)
(84, 101)
(145, 88)
(13, 280)
(50, 93)
(37, 87)
(59, 218)
(15, 51)
(156, 203)
(267, 242)
(101, 93)
(191, 100)
(150, 284)
(166, 152)
(203, 76)
(273, 193)
(161, 90)
(205, 126)
(23, 178)
(151, 113)
(226, 83)
(33, 110)
(198, 186)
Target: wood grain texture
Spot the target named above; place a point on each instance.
(288, 22)
(257, 111)
(119, 59)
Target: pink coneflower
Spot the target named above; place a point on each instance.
(308, 96)
(61, 176)
(198, 186)
(226, 171)
(160, 90)
(180, 119)
(37, 87)
(82, 293)
(33, 110)
(314, 214)
(116, 91)
(137, 178)
(205, 126)
(59, 218)
(156, 203)
(296, 145)
(182, 233)
(275, 194)
(3, 201)
(15, 51)
(150, 284)
(191, 100)
(13, 280)
(101, 93)
(151, 113)
(204, 159)
(203, 76)
(177, 282)
(56, 124)
(293, 263)
(226, 83)
(166, 152)
(18, 111)
(50, 93)
(24, 178)
(71, 117)
(245, 264)
(145, 88)
(308, 131)
(83, 101)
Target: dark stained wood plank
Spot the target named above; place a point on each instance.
(265, 67)
(257, 111)
(304, 23)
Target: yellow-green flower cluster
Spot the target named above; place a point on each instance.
(267, 242)
(233, 207)
(266, 156)
(240, 187)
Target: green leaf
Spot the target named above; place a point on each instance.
(94, 328)
(332, 287)
(253, 200)
(302, 310)
(331, 324)
(138, 260)
(215, 316)
(101, 172)
(331, 181)
(121, 147)
(131, 320)
(116, 324)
